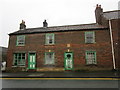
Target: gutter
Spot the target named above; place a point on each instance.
(111, 37)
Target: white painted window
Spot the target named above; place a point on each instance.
(49, 58)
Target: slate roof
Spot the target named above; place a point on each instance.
(112, 14)
(92, 26)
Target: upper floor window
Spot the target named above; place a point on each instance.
(50, 38)
(89, 37)
(20, 40)
(91, 57)
(19, 59)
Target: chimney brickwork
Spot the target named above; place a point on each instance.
(22, 25)
(45, 24)
(98, 14)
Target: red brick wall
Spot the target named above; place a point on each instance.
(36, 42)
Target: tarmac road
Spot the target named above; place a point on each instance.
(60, 80)
(58, 83)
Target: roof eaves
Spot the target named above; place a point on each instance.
(59, 31)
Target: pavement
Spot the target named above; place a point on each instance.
(63, 74)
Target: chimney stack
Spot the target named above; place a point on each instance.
(45, 24)
(98, 14)
(22, 25)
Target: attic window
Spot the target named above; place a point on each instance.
(49, 38)
(20, 40)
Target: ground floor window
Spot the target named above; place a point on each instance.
(91, 57)
(49, 58)
(19, 59)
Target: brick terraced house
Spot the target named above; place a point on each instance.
(70, 47)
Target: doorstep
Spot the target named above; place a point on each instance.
(50, 69)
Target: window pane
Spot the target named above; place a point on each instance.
(50, 41)
(49, 38)
(89, 37)
(90, 58)
(20, 40)
(49, 58)
(19, 59)
(15, 63)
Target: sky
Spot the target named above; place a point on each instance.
(56, 12)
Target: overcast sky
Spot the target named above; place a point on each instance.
(56, 12)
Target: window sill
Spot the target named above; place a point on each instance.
(49, 65)
(90, 43)
(49, 44)
(91, 64)
(20, 45)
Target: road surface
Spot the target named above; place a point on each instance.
(59, 83)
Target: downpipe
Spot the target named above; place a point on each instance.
(111, 37)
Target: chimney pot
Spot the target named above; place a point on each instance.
(99, 6)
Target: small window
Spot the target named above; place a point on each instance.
(20, 40)
(19, 59)
(91, 57)
(89, 37)
(50, 38)
(49, 58)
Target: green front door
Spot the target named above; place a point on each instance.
(68, 61)
(31, 61)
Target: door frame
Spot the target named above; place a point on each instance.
(29, 59)
(72, 61)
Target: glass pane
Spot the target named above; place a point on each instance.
(68, 56)
(91, 58)
(23, 54)
(21, 40)
(15, 63)
(50, 41)
(89, 37)
(23, 62)
(23, 57)
(19, 59)
(89, 34)
(49, 38)
(49, 58)
(15, 57)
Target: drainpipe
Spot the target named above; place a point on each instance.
(111, 37)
